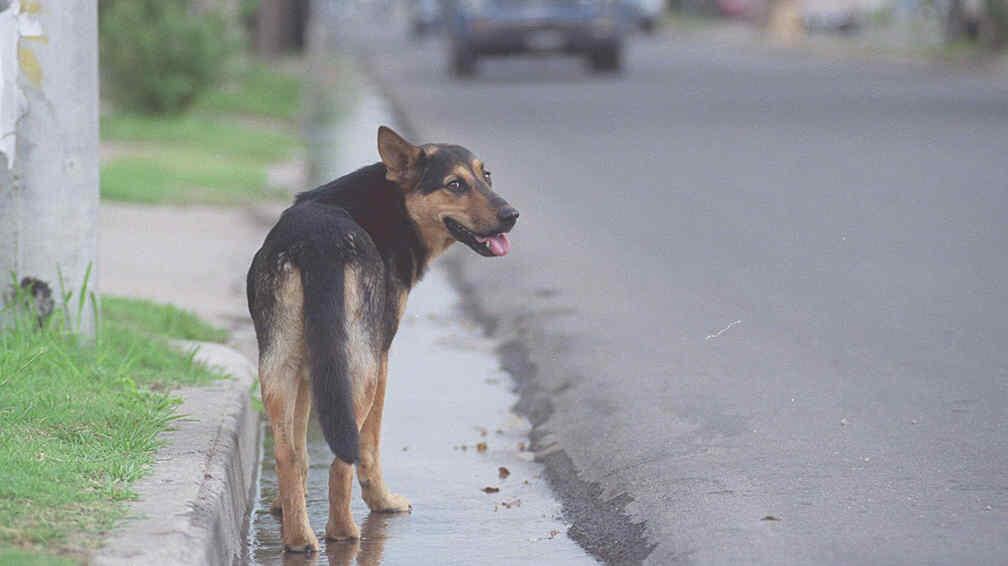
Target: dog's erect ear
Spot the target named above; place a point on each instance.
(399, 155)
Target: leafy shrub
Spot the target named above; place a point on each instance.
(158, 56)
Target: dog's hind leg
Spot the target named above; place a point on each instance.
(281, 402)
(282, 369)
(369, 474)
(302, 414)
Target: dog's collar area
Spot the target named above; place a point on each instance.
(491, 245)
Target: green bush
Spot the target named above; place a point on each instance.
(158, 56)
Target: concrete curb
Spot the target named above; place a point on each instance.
(192, 508)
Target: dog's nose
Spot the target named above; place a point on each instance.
(508, 216)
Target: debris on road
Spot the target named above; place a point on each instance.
(722, 331)
(481, 447)
(491, 489)
(503, 472)
(512, 503)
(550, 536)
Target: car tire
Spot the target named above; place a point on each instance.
(463, 63)
(606, 60)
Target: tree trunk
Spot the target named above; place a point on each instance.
(280, 26)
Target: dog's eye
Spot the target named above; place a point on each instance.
(456, 186)
(486, 175)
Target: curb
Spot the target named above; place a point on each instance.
(191, 508)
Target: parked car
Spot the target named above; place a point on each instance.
(594, 29)
(647, 13)
(425, 17)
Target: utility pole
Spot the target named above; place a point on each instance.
(49, 150)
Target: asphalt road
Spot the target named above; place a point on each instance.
(755, 302)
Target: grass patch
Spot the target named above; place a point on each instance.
(79, 423)
(218, 153)
(18, 557)
(256, 90)
(183, 177)
(157, 318)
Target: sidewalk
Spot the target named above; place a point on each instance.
(192, 507)
(194, 257)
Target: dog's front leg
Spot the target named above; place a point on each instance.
(341, 525)
(373, 489)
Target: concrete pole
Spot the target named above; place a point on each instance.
(49, 174)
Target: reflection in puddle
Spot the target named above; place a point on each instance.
(368, 551)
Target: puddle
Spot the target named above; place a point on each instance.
(444, 401)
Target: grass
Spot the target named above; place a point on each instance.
(79, 422)
(158, 318)
(257, 91)
(217, 153)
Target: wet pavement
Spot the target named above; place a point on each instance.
(448, 433)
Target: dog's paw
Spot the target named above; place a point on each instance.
(392, 503)
(347, 531)
(304, 542)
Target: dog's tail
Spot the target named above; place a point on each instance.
(325, 335)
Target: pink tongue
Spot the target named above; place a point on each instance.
(499, 244)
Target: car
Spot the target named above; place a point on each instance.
(594, 29)
(425, 17)
(647, 13)
(831, 16)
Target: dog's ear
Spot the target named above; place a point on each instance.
(400, 156)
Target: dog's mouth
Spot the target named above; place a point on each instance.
(489, 245)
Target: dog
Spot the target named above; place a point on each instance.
(326, 292)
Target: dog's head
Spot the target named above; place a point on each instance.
(448, 195)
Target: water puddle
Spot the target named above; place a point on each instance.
(448, 441)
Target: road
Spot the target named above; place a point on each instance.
(755, 306)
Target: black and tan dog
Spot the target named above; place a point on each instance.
(326, 292)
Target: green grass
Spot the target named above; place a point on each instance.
(79, 422)
(181, 177)
(156, 318)
(217, 153)
(18, 557)
(256, 90)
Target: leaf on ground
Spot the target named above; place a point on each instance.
(491, 489)
(481, 447)
(770, 518)
(503, 472)
(513, 503)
